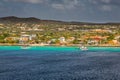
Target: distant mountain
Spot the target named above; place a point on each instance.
(14, 19)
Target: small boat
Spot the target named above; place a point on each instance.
(25, 47)
(83, 48)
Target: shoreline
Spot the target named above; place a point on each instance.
(73, 45)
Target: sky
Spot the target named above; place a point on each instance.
(64, 10)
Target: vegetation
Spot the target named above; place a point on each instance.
(49, 31)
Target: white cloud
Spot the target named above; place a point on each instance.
(104, 5)
(58, 6)
(93, 1)
(66, 4)
(106, 1)
(99, 1)
(106, 8)
(27, 1)
(61, 4)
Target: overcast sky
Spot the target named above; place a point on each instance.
(65, 10)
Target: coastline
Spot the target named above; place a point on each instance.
(71, 45)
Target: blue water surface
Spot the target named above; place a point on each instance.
(59, 63)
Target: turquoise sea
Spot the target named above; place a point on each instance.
(59, 48)
(59, 63)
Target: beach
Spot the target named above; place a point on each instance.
(70, 45)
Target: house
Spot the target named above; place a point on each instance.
(114, 42)
(101, 30)
(117, 37)
(61, 29)
(33, 35)
(62, 40)
(70, 39)
(25, 38)
(11, 38)
(92, 42)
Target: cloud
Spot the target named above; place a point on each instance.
(27, 1)
(65, 4)
(57, 4)
(104, 5)
(106, 8)
(100, 1)
(106, 1)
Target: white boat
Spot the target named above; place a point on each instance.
(83, 48)
(25, 47)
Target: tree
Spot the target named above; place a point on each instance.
(111, 37)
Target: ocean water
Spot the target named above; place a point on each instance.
(59, 63)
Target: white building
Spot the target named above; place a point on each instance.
(62, 40)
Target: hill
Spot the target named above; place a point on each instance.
(14, 19)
